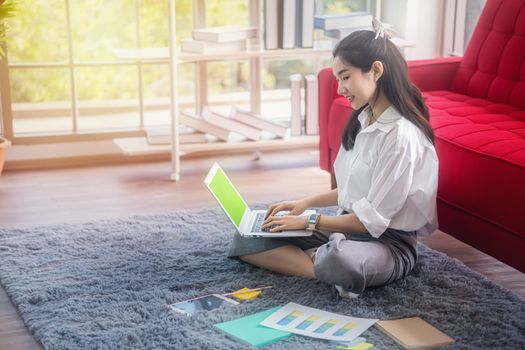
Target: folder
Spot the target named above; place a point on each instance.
(224, 34)
(240, 128)
(343, 20)
(311, 105)
(259, 122)
(305, 23)
(414, 333)
(296, 121)
(208, 47)
(203, 126)
(272, 24)
(288, 24)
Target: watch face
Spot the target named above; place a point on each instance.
(312, 218)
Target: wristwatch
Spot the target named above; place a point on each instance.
(313, 219)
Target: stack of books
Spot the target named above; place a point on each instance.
(308, 125)
(288, 24)
(218, 39)
(338, 26)
(211, 126)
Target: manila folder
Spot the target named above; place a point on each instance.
(414, 333)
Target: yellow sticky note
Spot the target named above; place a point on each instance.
(362, 346)
(246, 294)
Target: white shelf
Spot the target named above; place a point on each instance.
(161, 54)
(172, 55)
(139, 146)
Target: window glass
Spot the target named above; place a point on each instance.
(232, 12)
(473, 11)
(156, 89)
(154, 24)
(41, 101)
(98, 26)
(31, 32)
(228, 84)
(107, 98)
(343, 6)
(276, 95)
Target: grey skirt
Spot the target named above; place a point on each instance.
(354, 261)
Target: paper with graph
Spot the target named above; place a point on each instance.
(310, 322)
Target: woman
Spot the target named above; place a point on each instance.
(386, 172)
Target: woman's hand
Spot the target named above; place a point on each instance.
(285, 223)
(291, 221)
(293, 207)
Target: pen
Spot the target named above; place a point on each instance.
(247, 291)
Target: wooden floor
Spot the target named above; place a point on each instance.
(52, 196)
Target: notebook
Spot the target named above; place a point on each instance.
(247, 221)
(248, 330)
(414, 333)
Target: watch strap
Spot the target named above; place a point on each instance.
(313, 220)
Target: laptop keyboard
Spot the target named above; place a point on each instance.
(257, 223)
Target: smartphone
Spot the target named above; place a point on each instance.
(205, 303)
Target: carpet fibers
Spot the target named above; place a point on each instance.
(106, 284)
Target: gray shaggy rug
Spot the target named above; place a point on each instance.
(106, 284)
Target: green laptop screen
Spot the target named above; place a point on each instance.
(228, 197)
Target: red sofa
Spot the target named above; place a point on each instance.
(477, 109)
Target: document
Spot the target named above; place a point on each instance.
(310, 322)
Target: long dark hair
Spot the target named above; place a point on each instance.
(361, 49)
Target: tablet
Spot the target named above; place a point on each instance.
(205, 303)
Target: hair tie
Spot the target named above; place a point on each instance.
(381, 29)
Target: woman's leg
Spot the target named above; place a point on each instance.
(357, 264)
(288, 260)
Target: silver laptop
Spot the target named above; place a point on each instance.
(247, 222)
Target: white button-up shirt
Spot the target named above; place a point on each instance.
(389, 179)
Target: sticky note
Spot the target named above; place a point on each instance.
(360, 346)
(246, 294)
(356, 341)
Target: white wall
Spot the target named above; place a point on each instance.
(420, 22)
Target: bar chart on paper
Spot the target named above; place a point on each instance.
(311, 322)
(289, 318)
(308, 322)
(326, 326)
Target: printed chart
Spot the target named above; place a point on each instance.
(310, 322)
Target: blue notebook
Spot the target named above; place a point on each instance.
(248, 330)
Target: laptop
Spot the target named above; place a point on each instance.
(247, 222)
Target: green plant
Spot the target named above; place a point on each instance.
(7, 9)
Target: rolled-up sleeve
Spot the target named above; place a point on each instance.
(390, 185)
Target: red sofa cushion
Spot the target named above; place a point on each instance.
(476, 136)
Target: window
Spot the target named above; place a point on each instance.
(472, 13)
(461, 17)
(66, 79)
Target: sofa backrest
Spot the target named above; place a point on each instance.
(493, 66)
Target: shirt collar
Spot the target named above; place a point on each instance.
(386, 121)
